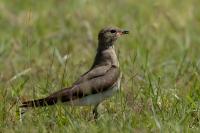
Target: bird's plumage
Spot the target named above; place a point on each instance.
(98, 79)
(102, 79)
(85, 88)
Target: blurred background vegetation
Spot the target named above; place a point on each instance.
(46, 45)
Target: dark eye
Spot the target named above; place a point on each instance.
(112, 31)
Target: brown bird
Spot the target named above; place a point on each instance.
(97, 84)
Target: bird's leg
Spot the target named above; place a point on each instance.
(95, 112)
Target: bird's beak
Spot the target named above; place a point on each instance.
(122, 32)
(125, 32)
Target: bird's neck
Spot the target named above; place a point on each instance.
(104, 45)
(106, 56)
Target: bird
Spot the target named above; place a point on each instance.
(100, 82)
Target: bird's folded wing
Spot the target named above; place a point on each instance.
(91, 86)
(92, 73)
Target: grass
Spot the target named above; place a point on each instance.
(160, 62)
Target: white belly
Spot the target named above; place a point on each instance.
(96, 98)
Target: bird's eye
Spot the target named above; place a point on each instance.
(112, 31)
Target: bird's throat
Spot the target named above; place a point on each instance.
(106, 55)
(103, 46)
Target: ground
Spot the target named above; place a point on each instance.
(46, 45)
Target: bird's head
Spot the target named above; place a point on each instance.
(107, 36)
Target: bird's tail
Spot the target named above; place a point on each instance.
(61, 95)
(39, 102)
